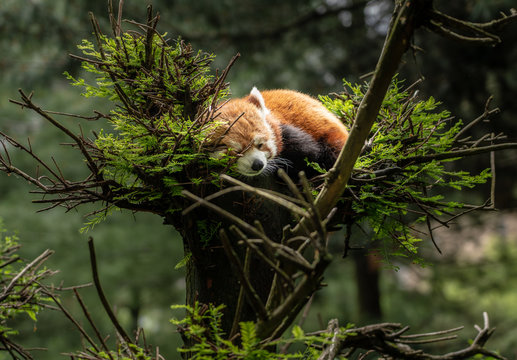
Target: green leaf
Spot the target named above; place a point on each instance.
(183, 262)
(297, 332)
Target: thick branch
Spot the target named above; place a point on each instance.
(396, 44)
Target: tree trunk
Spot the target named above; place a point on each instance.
(210, 277)
(367, 272)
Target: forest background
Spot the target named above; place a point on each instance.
(308, 46)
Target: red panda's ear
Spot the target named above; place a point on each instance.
(256, 99)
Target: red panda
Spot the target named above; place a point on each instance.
(279, 127)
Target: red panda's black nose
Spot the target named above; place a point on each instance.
(257, 165)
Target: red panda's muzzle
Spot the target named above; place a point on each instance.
(252, 162)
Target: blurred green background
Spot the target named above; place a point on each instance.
(309, 46)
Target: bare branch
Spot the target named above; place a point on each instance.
(27, 102)
(467, 31)
(456, 154)
(486, 114)
(32, 265)
(92, 323)
(253, 297)
(388, 340)
(102, 297)
(242, 291)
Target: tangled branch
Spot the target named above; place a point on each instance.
(389, 340)
(167, 104)
(21, 292)
(466, 31)
(301, 281)
(126, 347)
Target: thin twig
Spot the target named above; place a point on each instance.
(92, 323)
(34, 263)
(100, 293)
(72, 319)
(242, 290)
(455, 154)
(253, 297)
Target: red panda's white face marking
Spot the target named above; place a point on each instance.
(251, 137)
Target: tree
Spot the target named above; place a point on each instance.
(158, 160)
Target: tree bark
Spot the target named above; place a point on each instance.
(210, 275)
(368, 292)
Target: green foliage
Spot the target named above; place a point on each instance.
(163, 98)
(207, 229)
(124, 351)
(21, 293)
(206, 341)
(315, 166)
(45, 28)
(396, 182)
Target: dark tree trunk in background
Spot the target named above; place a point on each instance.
(367, 269)
(210, 276)
(135, 308)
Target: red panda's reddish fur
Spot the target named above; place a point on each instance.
(301, 110)
(264, 117)
(249, 124)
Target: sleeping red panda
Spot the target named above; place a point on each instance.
(279, 128)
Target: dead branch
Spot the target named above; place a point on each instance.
(32, 266)
(389, 340)
(282, 200)
(281, 309)
(252, 295)
(102, 297)
(92, 351)
(27, 102)
(456, 154)
(240, 302)
(69, 316)
(92, 323)
(486, 114)
(466, 31)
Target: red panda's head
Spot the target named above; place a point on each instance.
(248, 131)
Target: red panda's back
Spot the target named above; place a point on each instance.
(300, 110)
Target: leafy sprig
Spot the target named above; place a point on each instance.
(201, 326)
(159, 125)
(391, 191)
(154, 141)
(21, 292)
